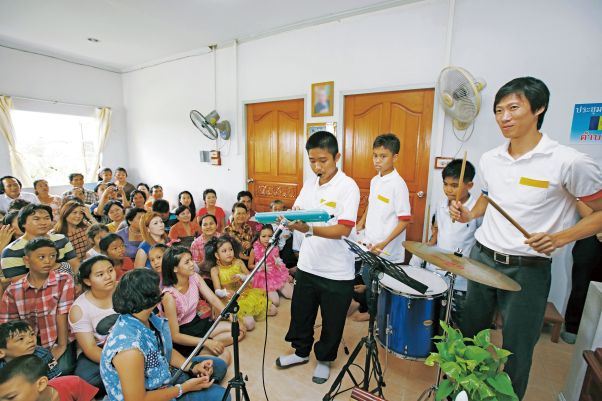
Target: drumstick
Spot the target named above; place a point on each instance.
(461, 182)
(507, 216)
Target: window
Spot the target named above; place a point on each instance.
(54, 145)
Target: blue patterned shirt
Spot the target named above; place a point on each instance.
(130, 333)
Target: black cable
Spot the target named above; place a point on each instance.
(265, 339)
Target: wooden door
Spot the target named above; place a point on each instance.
(275, 142)
(407, 114)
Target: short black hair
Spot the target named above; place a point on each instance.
(12, 328)
(18, 204)
(454, 168)
(37, 243)
(161, 206)
(10, 217)
(323, 140)
(388, 141)
(123, 170)
(30, 210)
(155, 187)
(99, 185)
(180, 209)
(171, 259)
(209, 191)
(110, 204)
(29, 366)
(244, 193)
(144, 184)
(94, 229)
(137, 290)
(108, 240)
(203, 217)
(137, 191)
(533, 89)
(85, 269)
(239, 205)
(131, 213)
(73, 175)
(4, 178)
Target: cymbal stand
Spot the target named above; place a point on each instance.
(430, 392)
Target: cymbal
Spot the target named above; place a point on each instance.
(462, 266)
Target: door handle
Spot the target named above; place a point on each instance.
(420, 194)
(250, 180)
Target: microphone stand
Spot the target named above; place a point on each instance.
(238, 381)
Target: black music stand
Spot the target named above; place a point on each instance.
(376, 265)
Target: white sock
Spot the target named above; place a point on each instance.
(322, 372)
(291, 359)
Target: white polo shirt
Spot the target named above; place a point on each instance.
(538, 190)
(5, 200)
(388, 203)
(340, 197)
(451, 236)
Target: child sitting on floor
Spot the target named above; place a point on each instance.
(277, 274)
(187, 303)
(113, 246)
(25, 378)
(228, 273)
(23, 300)
(17, 338)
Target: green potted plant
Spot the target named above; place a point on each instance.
(473, 365)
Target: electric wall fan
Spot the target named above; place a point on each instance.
(459, 95)
(210, 126)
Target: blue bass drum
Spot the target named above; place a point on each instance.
(407, 320)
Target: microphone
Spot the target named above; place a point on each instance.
(281, 227)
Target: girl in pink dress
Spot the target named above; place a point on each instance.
(278, 279)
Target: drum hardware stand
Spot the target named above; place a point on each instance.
(369, 341)
(376, 265)
(426, 394)
(238, 381)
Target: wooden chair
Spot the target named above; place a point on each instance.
(592, 383)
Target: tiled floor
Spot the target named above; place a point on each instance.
(405, 380)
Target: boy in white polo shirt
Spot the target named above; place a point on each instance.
(388, 212)
(450, 235)
(325, 275)
(535, 180)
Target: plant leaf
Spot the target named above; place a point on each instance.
(452, 369)
(485, 391)
(444, 390)
(477, 354)
(432, 359)
(470, 383)
(502, 384)
(483, 338)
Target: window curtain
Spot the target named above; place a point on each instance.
(103, 115)
(17, 165)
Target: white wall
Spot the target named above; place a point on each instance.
(396, 48)
(29, 75)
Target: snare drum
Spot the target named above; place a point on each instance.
(406, 319)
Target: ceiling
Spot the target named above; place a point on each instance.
(133, 33)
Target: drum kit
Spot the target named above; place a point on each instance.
(406, 317)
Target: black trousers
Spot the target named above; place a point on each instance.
(522, 311)
(587, 266)
(333, 298)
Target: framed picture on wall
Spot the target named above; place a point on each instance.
(312, 128)
(322, 98)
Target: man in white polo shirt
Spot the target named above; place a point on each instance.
(536, 180)
(325, 275)
(10, 189)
